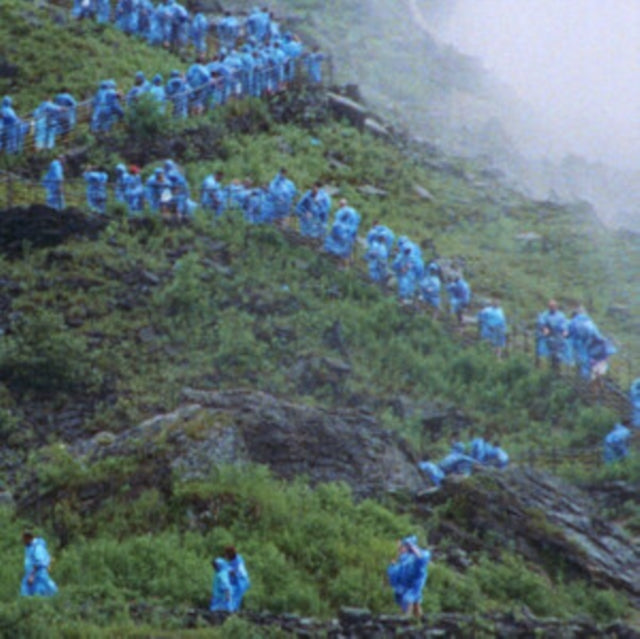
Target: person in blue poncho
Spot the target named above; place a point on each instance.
(616, 444)
(47, 124)
(581, 328)
(408, 268)
(213, 194)
(552, 331)
(12, 128)
(126, 16)
(293, 49)
(53, 182)
(67, 113)
(314, 62)
(103, 11)
(343, 234)
(121, 181)
(489, 454)
(96, 190)
(238, 576)
(432, 471)
(634, 397)
(106, 107)
(408, 574)
(457, 461)
(380, 240)
(198, 31)
(228, 30)
(83, 9)
(157, 92)
(283, 191)
(140, 86)
(599, 349)
(313, 212)
(134, 190)
(221, 592)
(459, 296)
(430, 287)
(177, 92)
(198, 77)
(157, 191)
(37, 561)
(492, 326)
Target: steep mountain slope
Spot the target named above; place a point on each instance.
(101, 335)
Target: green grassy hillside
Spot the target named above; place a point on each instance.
(114, 328)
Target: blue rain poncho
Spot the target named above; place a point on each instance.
(126, 16)
(134, 193)
(67, 112)
(237, 194)
(293, 49)
(314, 67)
(140, 87)
(145, 11)
(432, 471)
(228, 31)
(12, 128)
(634, 397)
(492, 325)
(377, 256)
(221, 592)
(103, 11)
(313, 212)
(616, 444)
(340, 239)
(96, 190)
(155, 189)
(247, 70)
(459, 295)
(213, 196)
(408, 575)
(120, 188)
(198, 32)
(382, 234)
(157, 92)
(53, 182)
(83, 9)
(106, 107)
(46, 118)
(36, 570)
(198, 80)
(551, 336)
(177, 93)
(488, 454)
(407, 266)
(233, 66)
(178, 24)
(157, 20)
(582, 329)
(240, 582)
(456, 462)
(599, 349)
(179, 187)
(283, 192)
(430, 289)
(259, 207)
(257, 24)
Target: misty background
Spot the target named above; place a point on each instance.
(545, 92)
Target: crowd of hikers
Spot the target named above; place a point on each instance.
(253, 59)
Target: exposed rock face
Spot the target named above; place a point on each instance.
(355, 623)
(545, 518)
(43, 226)
(292, 439)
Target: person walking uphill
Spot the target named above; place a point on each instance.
(408, 574)
(36, 580)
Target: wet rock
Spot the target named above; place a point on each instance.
(372, 191)
(377, 129)
(422, 193)
(348, 109)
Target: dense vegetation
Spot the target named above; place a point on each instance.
(118, 326)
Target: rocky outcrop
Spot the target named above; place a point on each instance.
(545, 519)
(236, 427)
(355, 623)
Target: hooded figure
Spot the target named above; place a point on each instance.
(616, 444)
(53, 182)
(313, 212)
(343, 234)
(408, 575)
(12, 128)
(221, 594)
(36, 580)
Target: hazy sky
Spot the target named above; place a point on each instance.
(577, 61)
